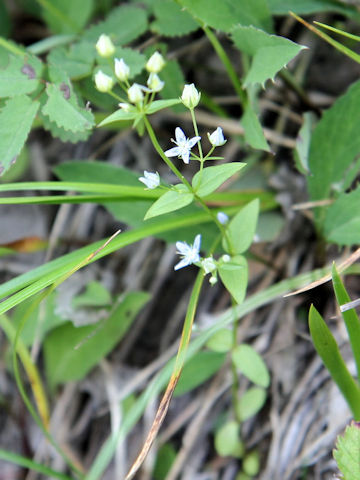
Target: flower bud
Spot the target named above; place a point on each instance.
(135, 93)
(154, 83)
(217, 138)
(125, 106)
(213, 280)
(105, 46)
(122, 71)
(155, 63)
(103, 82)
(208, 264)
(222, 217)
(150, 179)
(190, 96)
(226, 258)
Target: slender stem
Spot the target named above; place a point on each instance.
(196, 130)
(227, 64)
(117, 97)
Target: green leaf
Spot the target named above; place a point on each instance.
(347, 452)
(171, 20)
(161, 104)
(254, 134)
(67, 16)
(95, 295)
(269, 226)
(251, 463)
(342, 220)
(250, 364)
(241, 229)
(221, 341)
(250, 403)
(350, 317)
(123, 24)
(172, 200)
(5, 24)
(77, 61)
(134, 59)
(16, 119)
(234, 275)
(165, 457)
(282, 7)
(63, 109)
(209, 179)
(329, 353)
(61, 133)
(21, 75)
(303, 140)
(227, 438)
(196, 371)
(270, 52)
(70, 352)
(229, 13)
(335, 146)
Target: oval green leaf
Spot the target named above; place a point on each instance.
(250, 364)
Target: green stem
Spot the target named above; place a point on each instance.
(227, 64)
(196, 130)
(11, 47)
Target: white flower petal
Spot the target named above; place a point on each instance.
(179, 135)
(193, 141)
(173, 152)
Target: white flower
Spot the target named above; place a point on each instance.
(150, 179)
(217, 138)
(226, 258)
(222, 217)
(208, 264)
(125, 106)
(155, 63)
(189, 253)
(184, 145)
(190, 96)
(213, 280)
(135, 93)
(122, 71)
(103, 82)
(154, 83)
(105, 46)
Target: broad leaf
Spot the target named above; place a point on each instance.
(196, 371)
(20, 76)
(63, 109)
(171, 20)
(234, 275)
(254, 134)
(229, 13)
(227, 439)
(221, 341)
(241, 229)
(209, 179)
(123, 24)
(120, 115)
(77, 61)
(16, 119)
(342, 220)
(61, 133)
(250, 364)
(250, 403)
(161, 104)
(347, 452)
(270, 52)
(68, 16)
(172, 200)
(70, 352)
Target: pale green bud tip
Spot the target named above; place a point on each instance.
(103, 82)
(190, 96)
(105, 46)
(155, 63)
(154, 83)
(122, 71)
(135, 93)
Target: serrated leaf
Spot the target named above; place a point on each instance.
(68, 16)
(63, 109)
(250, 403)
(254, 134)
(342, 221)
(76, 61)
(241, 229)
(172, 200)
(161, 104)
(209, 179)
(171, 20)
(250, 364)
(61, 133)
(70, 352)
(335, 146)
(347, 452)
(229, 13)
(234, 275)
(196, 371)
(16, 119)
(123, 24)
(134, 59)
(270, 52)
(22, 75)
